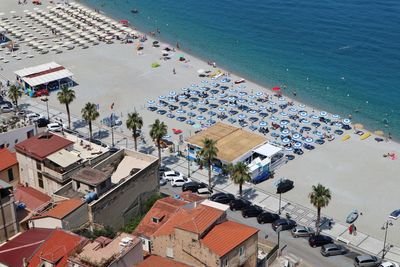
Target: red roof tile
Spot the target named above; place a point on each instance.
(56, 249)
(153, 261)
(195, 220)
(22, 246)
(190, 197)
(61, 209)
(162, 209)
(8, 159)
(226, 236)
(42, 145)
(32, 198)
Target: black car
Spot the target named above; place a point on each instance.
(193, 186)
(319, 141)
(284, 186)
(267, 217)
(152, 108)
(42, 122)
(239, 204)
(319, 240)
(286, 224)
(309, 147)
(251, 211)
(298, 151)
(222, 198)
(163, 169)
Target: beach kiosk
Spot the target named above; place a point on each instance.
(237, 145)
(50, 76)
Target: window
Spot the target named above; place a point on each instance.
(40, 180)
(170, 253)
(10, 174)
(225, 263)
(38, 165)
(241, 251)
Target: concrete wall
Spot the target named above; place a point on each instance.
(130, 258)
(4, 175)
(8, 219)
(45, 222)
(15, 136)
(249, 258)
(76, 218)
(27, 170)
(118, 206)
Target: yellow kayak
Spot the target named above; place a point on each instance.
(346, 137)
(365, 136)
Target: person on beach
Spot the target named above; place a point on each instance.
(177, 45)
(173, 71)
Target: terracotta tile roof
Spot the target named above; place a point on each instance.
(32, 198)
(42, 145)
(163, 208)
(226, 236)
(8, 159)
(62, 209)
(154, 260)
(190, 197)
(22, 246)
(195, 220)
(56, 249)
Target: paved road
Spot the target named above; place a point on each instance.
(296, 246)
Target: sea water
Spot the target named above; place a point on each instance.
(342, 56)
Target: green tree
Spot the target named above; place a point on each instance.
(66, 96)
(89, 114)
(14, 93)
(157, 131)
(134, 123)
(240, 174)
(207, 155)
(319, 198)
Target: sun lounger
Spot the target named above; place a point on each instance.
(346, 137)
(365, 136)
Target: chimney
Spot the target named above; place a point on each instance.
(24, 262)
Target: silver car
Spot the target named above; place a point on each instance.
(332, 250)
(366, 261)
(302, 231)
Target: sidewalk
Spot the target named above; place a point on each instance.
(302, 215)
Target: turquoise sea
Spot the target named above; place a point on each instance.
(342, 56)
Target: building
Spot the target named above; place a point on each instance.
(154, 260)
(124, 250)
(9, 171)
(48, 160)
(199, 234)
(15, 252)
(12, 136)
(68, 215)
(50, 76)
(237, 145)
(115, 188)
(8, 218)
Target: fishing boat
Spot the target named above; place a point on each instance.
(352, 217)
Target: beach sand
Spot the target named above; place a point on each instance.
(355, 171)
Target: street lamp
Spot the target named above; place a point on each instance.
(385, 227)
(188, 159)
(46, 100)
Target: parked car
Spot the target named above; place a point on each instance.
(333, 250)
(179, 181)
(251, 211)
(204, 191)
(163, 169)
(239, 204)
(5, 108)
(223, 198)
(163, 182)
(319, 240)
(42, 122)
(193, 186)
(55, 127)
(395, 214)
(388, 264)
(302, 231)
(286, 224)
(169, 175)
(33, 116)
(41, 92)
(366, 261)
(267, 217)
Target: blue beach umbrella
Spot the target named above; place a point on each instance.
(302, 106)
(161, 97)
(298, 145)
(289, 148)
(346, 121)
(232, 90)
(273, 118)
(151, 102)
(315, 117)
(282, 99)
(285, 132)
(284, 122)
(305, 121)
(253, 112)
(252, 104)
(292, 109)
(303, 113)
(335, 116)
(210, 121)
(172, 93)
(309, 140)
(180, 111)
(181, 96)
(191, 114)
(242, 94)
(338, 124)
(286, 140)
(232, 105)
(259, 94)
(296, 136)
(283, 114)
(323, 113)
(262, 107)
(251, 96)
(201, 118)
(222, 95)
(194, 85)
(263, 124)
(242, 100)
(232, 98)
(204, 81)
(222, 109)
(272, 103)
(212, 98)
(214, 84)
(184, 89)
(318, 133)
(242, 116)
(211, 113)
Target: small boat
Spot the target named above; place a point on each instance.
(352, 217)
(239, 81)
(365, 136)
(134, 11)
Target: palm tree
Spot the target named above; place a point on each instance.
(66, 96)
(89, 114)
(14, 94)
(240, 174)
(208, 154)
(319, 197)
(134, 123)
(157, 131)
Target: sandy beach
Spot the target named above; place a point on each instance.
(355, 170)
